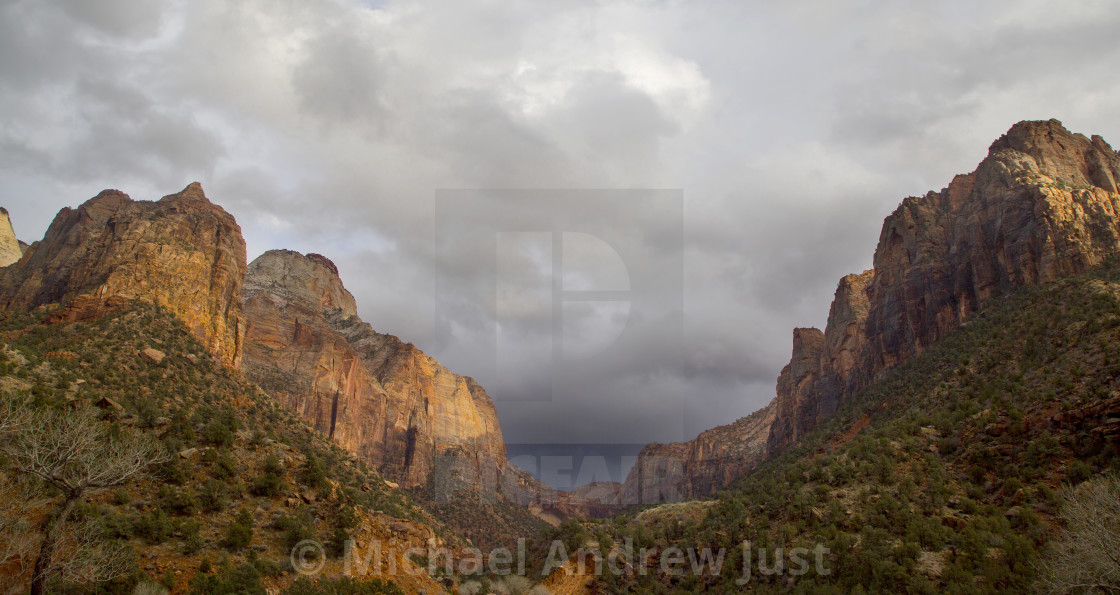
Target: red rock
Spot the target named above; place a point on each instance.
(369, 392)
(181, 252)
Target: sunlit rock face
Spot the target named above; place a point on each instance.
(1041, 205)
(1044, 203)
(181, 252)
(370, 392)
(10, 248)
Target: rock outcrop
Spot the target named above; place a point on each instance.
(1044, 203)
(10, 249)
(369, 392)
(696, 469)
(181, 252)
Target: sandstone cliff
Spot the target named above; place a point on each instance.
(1044, 203)
(696, 469)
(369, 392)
(10, 249)
(181, 252)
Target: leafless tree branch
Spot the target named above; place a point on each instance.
(1087, 558)
(75, 453)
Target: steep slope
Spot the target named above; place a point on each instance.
(941, 476)
(10, 249)
(233, 451)
(432, 431)
(369, 392)
(1044, 203)
(181, 252)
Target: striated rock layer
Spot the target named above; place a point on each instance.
(369, 392)
(1044, 203)
(10, 248)
(181, 252)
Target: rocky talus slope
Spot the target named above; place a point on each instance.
(369, 392)
(1043, 204)
(181, 252)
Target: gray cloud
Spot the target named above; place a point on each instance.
(329, 126)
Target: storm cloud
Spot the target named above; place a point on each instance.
(789, 129)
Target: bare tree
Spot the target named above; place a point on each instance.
(75, 454)
(1087, 558)
(17, 537)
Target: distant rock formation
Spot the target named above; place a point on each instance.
(181, 252)
(10, 249)
(1043, 204)
(370, 392)
(699, 467)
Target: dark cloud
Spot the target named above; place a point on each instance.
(330, 125)
(120, 18)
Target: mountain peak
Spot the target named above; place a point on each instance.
(186, 257)
(1062, 155)
(193, 191)
(309, 279)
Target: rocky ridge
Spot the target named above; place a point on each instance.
(181, 252)
(369, 392)
(1043, 204)
(697, 468)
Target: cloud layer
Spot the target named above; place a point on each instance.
(329, 126)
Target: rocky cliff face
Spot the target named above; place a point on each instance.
(1044, 203)
(371, 393)
(10, 249)
(696, 469)
(181, 252)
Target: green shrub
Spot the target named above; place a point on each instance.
(336, 545)
(154, 527)
(296, 528)
(244, 579)
(240, 533)
(177, 501)
(213, 496)
(271, 481)
(1077, 472)
(312, 473)
(172, 470)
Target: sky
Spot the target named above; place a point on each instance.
(704, 172)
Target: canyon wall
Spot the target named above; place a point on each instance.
(1044, 203)
(181, 252)
(369, 392)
